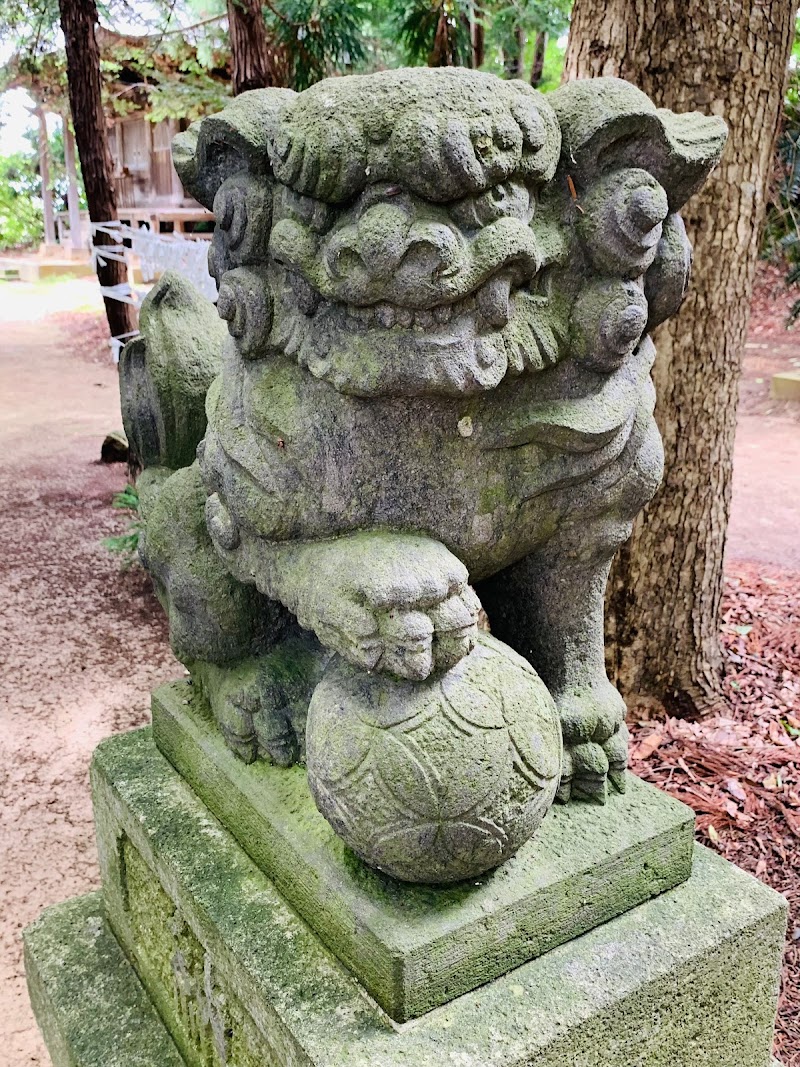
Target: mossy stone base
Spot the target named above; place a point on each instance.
(90, 1006)
(688, 979)
(416, 947)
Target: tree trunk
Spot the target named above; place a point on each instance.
(250, 49)
(728, 58)
(44, 174)
(537, 67)
(73, 196)
(478, 37)
(512, 61)
(78, 21)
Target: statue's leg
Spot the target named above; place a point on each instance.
(397, 603)
(550, 608)
(261, 703)
(251, 662)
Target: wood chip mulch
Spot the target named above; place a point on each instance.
(740, 771)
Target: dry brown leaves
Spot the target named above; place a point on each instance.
(771, 301)
(741, 771)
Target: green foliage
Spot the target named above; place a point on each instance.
(511, 30)
(439, 33)
(20, 210)
(172, 81)
(126, 544)
(434, 32)
(781, 241)
(317, 37)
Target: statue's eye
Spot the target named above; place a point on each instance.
(509, 199)
(316, 214)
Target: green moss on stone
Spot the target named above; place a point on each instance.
(688, 979)
(91, 1007)
(414, 946)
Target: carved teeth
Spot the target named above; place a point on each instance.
(361, 314)
(384, 313)
(306, 295)
(493, 300)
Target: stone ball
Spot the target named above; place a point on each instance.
(435, 781)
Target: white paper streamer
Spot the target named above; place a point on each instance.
(156, 252)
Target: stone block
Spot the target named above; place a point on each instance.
(786, 386)
(90, 1006)
(415, 947)
(33, 270)
(688, 979)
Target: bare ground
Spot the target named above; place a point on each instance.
(82, 645)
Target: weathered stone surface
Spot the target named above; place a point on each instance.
(90, 1006)
(438, 287)
(414, 947)
(165, 373)
(688, 979)
(441, 780)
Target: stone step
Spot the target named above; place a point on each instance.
(415, 947)
(687, 979)
(786, 386)
(91, 1007)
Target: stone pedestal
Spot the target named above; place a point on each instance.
(192, 955)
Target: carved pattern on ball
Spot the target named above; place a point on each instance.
(437, 781)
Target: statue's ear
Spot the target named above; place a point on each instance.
(234, 140)
(607, 123)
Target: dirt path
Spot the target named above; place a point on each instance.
(765, 509)
(80, 646)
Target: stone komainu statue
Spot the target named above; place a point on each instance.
(433, 393)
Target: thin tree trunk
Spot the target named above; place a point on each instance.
(44, 174)
(513, 61)
(78, 21)
(250, 49)
(478, 37)
(73, 196)
(537, 67)
(728, 58)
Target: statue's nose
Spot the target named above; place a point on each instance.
(387, 242)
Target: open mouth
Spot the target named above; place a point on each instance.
(464, 346)
(492, 302)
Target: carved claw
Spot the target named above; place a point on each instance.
(589, 769)
(595, 743)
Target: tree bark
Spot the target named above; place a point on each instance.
(728, 58)
(478, 37)
(537, 67)
(78, 21)
(44, 174)
(512, 61)
(73, 196)
(250, 48)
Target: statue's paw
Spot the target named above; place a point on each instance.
(595, 741)
(418, 640)
(234, 697)
(589, 768)
(409, 613)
